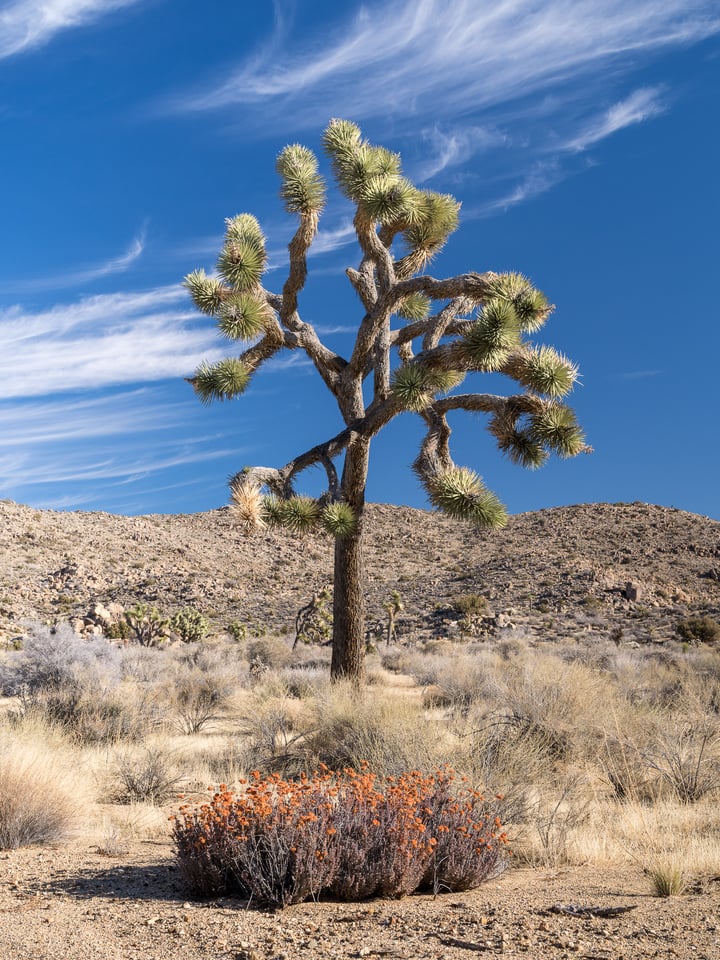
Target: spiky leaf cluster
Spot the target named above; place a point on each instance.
(223, 380)
(339, 519)
(303, 189)
(416, 306)
(206, 292)
(531, 305)
(415, 385)
(243, 316)
(461, 494)
(242, 259)
(557, 428)
(492, 337)
(545, 371)
(356, 163)
(390, 200)
(247, 505)
(410, 386)
(436, 217)
(296, 514)
(519, 443)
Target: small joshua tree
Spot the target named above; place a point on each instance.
(417, 338)
(392, 607)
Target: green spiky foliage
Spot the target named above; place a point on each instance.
(415, 386)
(437, 217)
(410, 385)
(207, 292)
(272, 511)
(493, 336)
(414, 307)
(298, 514)
(546, 371)
(223, 380)
(461, 494)
(556, 427)
(524, 449)
(531, 305)
(390, 200)
(356, 163)
(303, 189)
(243, 316)
(339, 520)
(242, 259)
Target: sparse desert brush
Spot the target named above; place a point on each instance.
(347, 834)
(699, 630)
(146, 776)
(667, 879)
(198, 698)
(270, 652)
(42, 792)
(387, 729)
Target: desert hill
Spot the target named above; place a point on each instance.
(628, 571)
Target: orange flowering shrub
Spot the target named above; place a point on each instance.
(345, 834)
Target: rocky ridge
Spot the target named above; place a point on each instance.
(625, 571)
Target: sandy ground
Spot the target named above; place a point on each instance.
(71, 903)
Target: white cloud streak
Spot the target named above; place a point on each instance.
(106, 268)
(454, 147)
(451, 57)
(104, 340)
(28, 24)
(641, 105)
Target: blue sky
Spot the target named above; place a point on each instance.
(582, 137)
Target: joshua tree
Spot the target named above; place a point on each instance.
(392, 607)
(417, 338)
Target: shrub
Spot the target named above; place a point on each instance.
(41, 794)
(199, 699)
(148, 778)
(699, 630)
(146, 625)
(55, 657)
(189, 624)
(667, 879)
(346, 834)
(237, 630)
(69, 681)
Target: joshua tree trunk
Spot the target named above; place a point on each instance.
(348, 646)
(349, 580)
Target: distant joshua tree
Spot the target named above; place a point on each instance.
(417, 338)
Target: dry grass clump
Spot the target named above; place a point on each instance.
(43, 795)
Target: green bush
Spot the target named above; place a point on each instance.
(189, 624)
(699, 630)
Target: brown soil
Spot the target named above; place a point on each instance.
(71, 903)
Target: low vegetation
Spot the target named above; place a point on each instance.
(602, 752)
(347, 834)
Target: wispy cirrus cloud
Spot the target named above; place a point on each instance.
(109, 339)
(74, 278)
(79, 449)
(449, 57)
(516, 82)
(641, 105)
(453, 147)
(29, 24)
